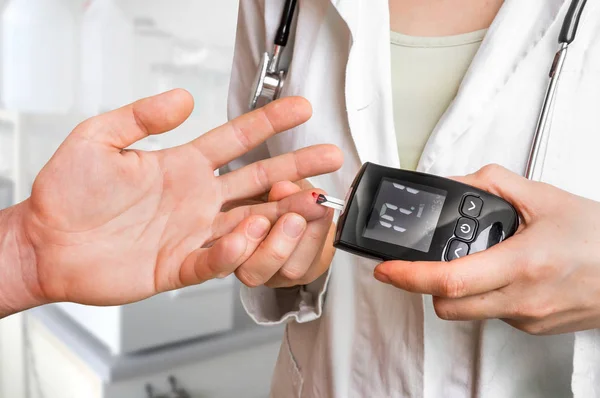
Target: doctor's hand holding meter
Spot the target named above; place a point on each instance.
(106, 225)
(471, 159)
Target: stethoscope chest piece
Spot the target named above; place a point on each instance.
(269, 79)
(267, 84)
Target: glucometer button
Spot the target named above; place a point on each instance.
(465, 228)
(456, 250)
(472, 206)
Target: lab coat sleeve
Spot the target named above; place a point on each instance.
(264, 305)
(302, 304)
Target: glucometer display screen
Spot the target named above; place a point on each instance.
(405, 214)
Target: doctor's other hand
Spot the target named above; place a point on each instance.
(543, 280)
(107, 226)
(296, 251)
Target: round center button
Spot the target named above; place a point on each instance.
(465, 228)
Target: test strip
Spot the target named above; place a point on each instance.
(329, 201)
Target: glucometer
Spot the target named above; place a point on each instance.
(394, 214)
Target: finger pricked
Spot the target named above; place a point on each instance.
(301, 203)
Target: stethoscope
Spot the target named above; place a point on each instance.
(540, 138)
(270, 78)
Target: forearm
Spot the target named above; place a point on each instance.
(19, 284)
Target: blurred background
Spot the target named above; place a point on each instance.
(62, 61)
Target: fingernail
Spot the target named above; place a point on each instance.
(294, 226)
(383, 278)
(258, 228)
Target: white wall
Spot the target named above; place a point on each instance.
(204, 20)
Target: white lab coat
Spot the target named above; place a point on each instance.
(350, 336)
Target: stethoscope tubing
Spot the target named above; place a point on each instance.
(541, 136)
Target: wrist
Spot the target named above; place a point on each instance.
(19, 283)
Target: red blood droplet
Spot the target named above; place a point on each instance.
(315, 195)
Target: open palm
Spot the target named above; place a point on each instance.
(111, 225)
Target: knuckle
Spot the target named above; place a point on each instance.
(298, 165)
(268, 120)
(261, 176)
(488, 172)
(535, 328)
(275, 285)
(279, 282)
(214, 268)
(292, 273)
(225, 192)
(315, 235)
(277, 255)
(446, 311)
(452, 286)
(544, 311)
(535, 268)
(139, 120)
(275, 282)
(241, 136)
(272, 285)
(523, 310)
(533, 310)
(249, 279)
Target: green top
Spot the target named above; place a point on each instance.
(426, 75)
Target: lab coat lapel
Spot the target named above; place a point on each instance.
(297, 58)
(368, 81)
(517, 29)
(310, 16)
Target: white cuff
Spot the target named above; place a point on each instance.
(267, 306)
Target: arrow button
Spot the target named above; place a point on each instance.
(472, 206)
(457, 250)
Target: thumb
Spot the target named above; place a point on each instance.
(123, 127)
(515, 189)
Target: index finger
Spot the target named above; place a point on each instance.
(302, 203)
(475, 274)
(244, 133)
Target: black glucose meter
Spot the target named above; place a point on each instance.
(394, 214)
